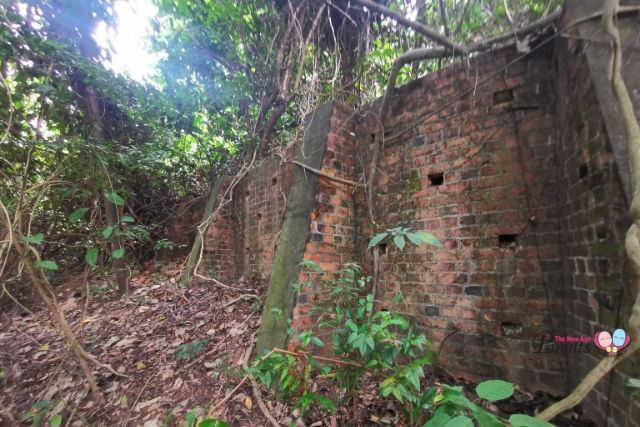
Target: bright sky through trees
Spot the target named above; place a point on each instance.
(130, 53)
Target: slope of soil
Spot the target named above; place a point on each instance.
(180, 350)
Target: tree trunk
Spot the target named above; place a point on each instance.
(96, 133)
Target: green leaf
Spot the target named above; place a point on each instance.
(46, 265)
(191, 419)
(377, 239)
(114, 198)
(307, 264)
(118, 253)
(429, 238)
(77, 214)
(400, 392)
(325, 402)
(399, 241)
(440, 418)
(212, 422)
(35, 239)
(56, 420)
(414, 238)
(633, 382)
(454, 395)
(91, 256)
(127, 218)
(494, 390)
(413, 376)
(459, 421)
(486, 419)
(521, 420)
(108, 231)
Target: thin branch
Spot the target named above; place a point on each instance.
(320, 358)
(254, 384)
(230, 394)
(416, 26)
(342, 11)
(318, 172)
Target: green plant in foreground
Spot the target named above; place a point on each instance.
(449, 407)
(39, 411)
(291, 378)
(383, 343)
(193, 421)
(363, 340)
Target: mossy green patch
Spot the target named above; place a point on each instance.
(412, 184)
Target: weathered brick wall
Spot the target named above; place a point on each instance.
(333, 233)
(262, 198)
(594, 223)
(506, 161)
(469, 156)
(218, 258)
(242, 241)
(247, 233)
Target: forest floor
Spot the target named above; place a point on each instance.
(181, 351)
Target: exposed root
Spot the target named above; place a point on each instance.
(256, 387)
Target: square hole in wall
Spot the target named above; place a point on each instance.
(383, 248)
(507, 240)
(502, 96)
(436, 178)
(583, 171)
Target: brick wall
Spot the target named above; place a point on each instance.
(262, 198)
(333, 229)
(469, 156)
(594, 223)
(506, 160)
(218, 258)
(242, 242)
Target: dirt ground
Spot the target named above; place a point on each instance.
(177, 350)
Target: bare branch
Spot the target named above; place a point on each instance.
(418, 27)
(422, 54)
